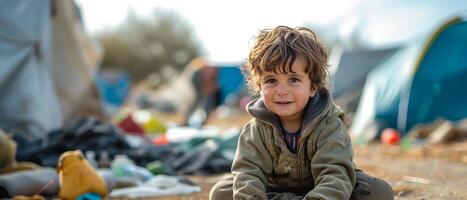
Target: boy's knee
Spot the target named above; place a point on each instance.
(222, 190)
(368, 188)
(382, 190)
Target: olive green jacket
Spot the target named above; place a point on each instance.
(323, 162)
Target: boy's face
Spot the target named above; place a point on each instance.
(287, 94)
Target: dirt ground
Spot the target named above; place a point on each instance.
(418, 173)
(431, 172)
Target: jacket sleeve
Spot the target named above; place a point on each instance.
(251, 165)
(332, 167)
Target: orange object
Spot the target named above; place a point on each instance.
(77, 177)
(390, 136)
(161, 140)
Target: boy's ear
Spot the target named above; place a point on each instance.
(313, 93)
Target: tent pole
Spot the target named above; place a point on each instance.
(402, 115)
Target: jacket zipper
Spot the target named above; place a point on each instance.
(299, 167)
(299, 174)
(297, 155)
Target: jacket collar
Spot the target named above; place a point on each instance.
(315, 107)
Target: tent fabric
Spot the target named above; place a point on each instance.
(47, 67)
(349, 70)
(438, 85)
(384, 84)
(75, 63)
(354, 65)
(422, 82)
(230, 80)
(28, 98)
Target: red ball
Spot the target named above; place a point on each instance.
(390, 136)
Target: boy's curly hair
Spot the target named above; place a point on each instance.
(275, 50)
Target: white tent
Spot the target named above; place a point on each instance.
(47, 66)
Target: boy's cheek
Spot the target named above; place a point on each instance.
(264, 94)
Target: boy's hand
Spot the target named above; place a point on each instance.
(283, 196)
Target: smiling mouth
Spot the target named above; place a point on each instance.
(283, 102)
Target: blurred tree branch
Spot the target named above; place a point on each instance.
(161, 45)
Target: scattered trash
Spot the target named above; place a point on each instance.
(129, 125)
(390, 136)
(447, 132)
(91, 157)
(181, 134)
(414, 179)
(104, 160)
(407, 143)
(35, 197)
(161, 140)
(160, 185)
(139, 122)
(122, 166)
(89, 196)
(440, 131)
(402, 189)
(157, 167)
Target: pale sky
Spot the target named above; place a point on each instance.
(225, 28)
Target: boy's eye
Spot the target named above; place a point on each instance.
(270, 81)
(294, 80)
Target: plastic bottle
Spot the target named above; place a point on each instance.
(197, 119)
(91, 158)
(122, 166)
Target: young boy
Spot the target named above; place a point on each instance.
(296, 146)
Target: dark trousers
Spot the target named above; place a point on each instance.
(367, 188)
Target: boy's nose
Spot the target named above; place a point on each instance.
(281, 90)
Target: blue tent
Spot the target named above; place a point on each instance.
(230, 80)
(114, 87)
(424, 81)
